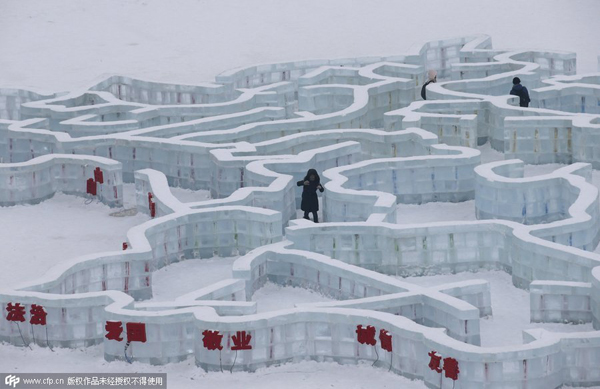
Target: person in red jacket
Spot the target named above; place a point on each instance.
(310, 202)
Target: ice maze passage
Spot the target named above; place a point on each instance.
(361, 122)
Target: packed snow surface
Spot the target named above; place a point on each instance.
(66, 226)
(510, 308)
(34, 238)
(60, 45)
(185, 375)
(187, 276)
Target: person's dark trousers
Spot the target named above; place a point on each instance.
(315, 216)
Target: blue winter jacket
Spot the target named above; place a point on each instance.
(521, 91)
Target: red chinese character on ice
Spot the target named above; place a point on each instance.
(451, 368)
(98, 176)
(91, 187)
(136, 332)
(15, 312)
(114, 329)
(434, 363)
(212, 340)
(38, 315)
(386, 340)
(241, 341)
(366, 335)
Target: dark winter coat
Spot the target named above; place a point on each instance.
(424, 89)
(310, 201)
(521, 91)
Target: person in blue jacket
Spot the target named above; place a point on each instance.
(521, 91)
(310, 201)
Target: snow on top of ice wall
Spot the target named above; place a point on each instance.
(503, 193)
(40, 178)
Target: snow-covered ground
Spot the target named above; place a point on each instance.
(34, 238)
(490, 155)
(510, 305)
(60, 44)
(65, 227)
(187, 276)
(185, 375)
(188, 195)
(510, 308)
(435, 212)
(184, 277)
(272, 297)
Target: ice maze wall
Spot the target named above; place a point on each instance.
(248, 137)
(445, 174)
(40, 178)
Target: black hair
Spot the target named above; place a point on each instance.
(516, 80)
(310, 173)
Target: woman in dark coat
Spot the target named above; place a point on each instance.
(310, 201)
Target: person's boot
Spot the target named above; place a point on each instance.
(315, 217)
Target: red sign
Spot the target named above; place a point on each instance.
(386, 340)
(451, 369)
(212, 340)
(241, 341)
(366, 335)
(435, 361)
(15, 312)
(114, 329)
(38, 315)
(98, 176)
(136, 332)
(91, 187)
